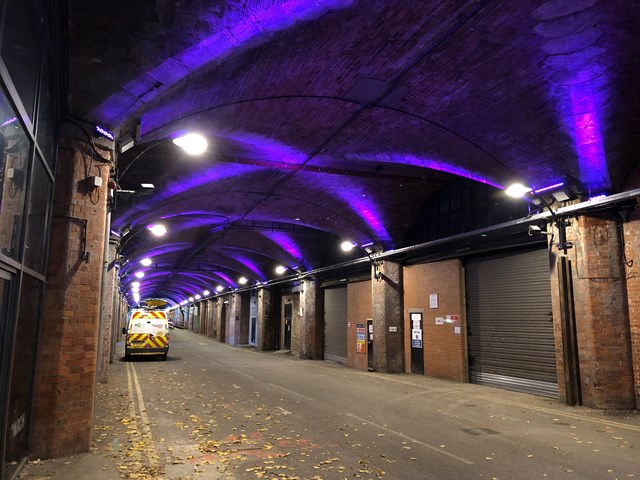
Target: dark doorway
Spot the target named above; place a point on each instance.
(223, 322)
(288, 314)
(370, 345)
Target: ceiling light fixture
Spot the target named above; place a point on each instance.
(139, 274)
(219, 288)
(243, 280)
(206, 292)
(192, 143)
(198, 297)
(157, 229)
(517, 190)
(191, 299)
(280, 269)
(146, 262)
(348, 245)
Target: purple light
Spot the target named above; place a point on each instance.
(104, 132)
(289, 245)
(9, 121)
(240, 26)
(588, 138)
(550, 187)
(250, 265)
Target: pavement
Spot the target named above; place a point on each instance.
(212, 411)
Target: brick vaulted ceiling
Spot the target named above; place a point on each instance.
(333, 119)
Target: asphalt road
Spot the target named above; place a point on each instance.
(213, 411)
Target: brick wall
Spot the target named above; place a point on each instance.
(311, 303)
(445, 352)
(66, 370)
(632, 254)
(359, 310)
(601, 312)
(386, 312)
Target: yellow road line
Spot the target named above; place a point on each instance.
(149, 444)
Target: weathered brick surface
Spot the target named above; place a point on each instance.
(266, 333)
(311, 328)
(632, 259)
(387, 297)
(444, 350)
(66, 371)
(359, 310)
(602, 319)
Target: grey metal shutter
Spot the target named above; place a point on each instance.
(335, 324)
(510, 323)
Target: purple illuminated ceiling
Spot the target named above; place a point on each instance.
(339, 119)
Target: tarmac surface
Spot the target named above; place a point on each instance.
(212, 411)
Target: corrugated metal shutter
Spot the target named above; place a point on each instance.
(335, 324)
(510, 323)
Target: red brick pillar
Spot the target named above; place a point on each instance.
(311, 329)
(387, 302)
(632, 254)
(66, 369)
(266, 338)
(233, 329)
(601, 312)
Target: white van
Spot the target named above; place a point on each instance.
(147, 333)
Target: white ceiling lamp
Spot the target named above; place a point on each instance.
(146, 262)
(206, 293)
(139, 274)
(280, 269)
(192, 143)
(517, 190)
(219, 288)
(157, 229)
(243, 280)
(347, 245)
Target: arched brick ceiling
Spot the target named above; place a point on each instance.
(332, 119)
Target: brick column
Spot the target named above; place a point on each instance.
(632, 253)
(235, 312)
(107, 314)
(66, 369)
(311, 327)
(266, 337)
(601, 312)
(387, 303)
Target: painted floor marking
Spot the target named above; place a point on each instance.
(153, 457)
(289, 391)
(413, 440)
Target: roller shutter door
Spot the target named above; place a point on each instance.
(510, 323)
(335, 324)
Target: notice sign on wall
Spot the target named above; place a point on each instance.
(416, 338)
(361, 338)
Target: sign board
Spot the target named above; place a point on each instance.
(361, 338)
(439, 320)
(393, 329)
(433, 300)
(416, 338)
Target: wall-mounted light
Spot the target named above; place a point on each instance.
(191, 299)
(219, 288)
(139, 274)
(517, 190)
(243, 280)
(192, 143)
(197, 296)
(206, 293)
(157, 229)
(146, 262)
(280, 269)
(348, 245)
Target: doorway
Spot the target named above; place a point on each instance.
(288, 315)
